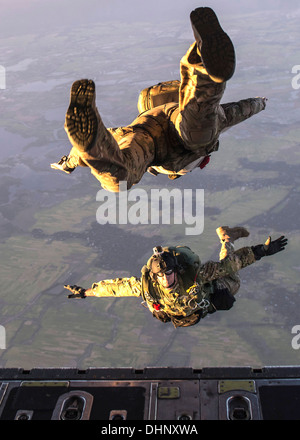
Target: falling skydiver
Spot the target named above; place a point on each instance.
(179, 123)
(175, 285)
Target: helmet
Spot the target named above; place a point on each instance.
(161, 262)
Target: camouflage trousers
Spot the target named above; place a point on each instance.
(171, 135)
(231, 282)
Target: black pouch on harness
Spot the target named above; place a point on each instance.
(222, 299)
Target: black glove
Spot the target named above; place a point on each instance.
(270, 247)
(77, 291)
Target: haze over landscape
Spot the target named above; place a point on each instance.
(49, 235)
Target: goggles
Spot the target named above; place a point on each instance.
(167, 272)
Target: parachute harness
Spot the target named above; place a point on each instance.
(193, 302)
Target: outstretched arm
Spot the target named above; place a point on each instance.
(117, 287)
(239, 111)
(232, 263)
(241, 258)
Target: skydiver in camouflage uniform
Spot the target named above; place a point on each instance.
(177, 287)
(179, 122)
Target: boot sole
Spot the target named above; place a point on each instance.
(81, 118)
(215, 46)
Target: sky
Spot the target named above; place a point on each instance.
(35, 14)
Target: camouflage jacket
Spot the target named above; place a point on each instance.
(193, 292)
(154, 129)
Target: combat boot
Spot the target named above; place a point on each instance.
(81, 123)
(227, 234)
(227, 237)
(215, 47)
(93, 143)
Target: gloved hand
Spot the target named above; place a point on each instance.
(264, 100)
(270, 247)
(77, 291)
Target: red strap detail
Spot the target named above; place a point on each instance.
(204, 162)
